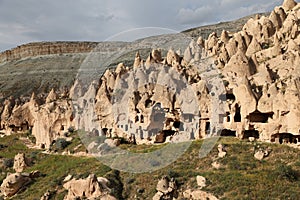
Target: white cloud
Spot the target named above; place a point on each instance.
(216, 10)
(198, 16)
(95, 20)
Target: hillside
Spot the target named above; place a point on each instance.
(42, 66)
(230, 26)
(240, 176)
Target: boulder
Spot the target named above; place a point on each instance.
(198, 195)
(222, 153)
(13, 183)
(201, 181)
(88, 188)
(261, 154)
(216, 165)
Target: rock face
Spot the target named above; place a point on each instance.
(168, 97)
(198, 195)
(20, 162)
(14, 182)
(166, 189)
(89, 188)
(46, 48)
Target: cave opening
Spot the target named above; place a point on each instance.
(259, 117)
(207, 127)
(284, 138)
(250, 133)
(176, 124)
(237, 116)
(228, 133)
(148, 103)
(104, 131)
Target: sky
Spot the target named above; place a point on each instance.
(23, 21)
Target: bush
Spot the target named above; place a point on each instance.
(115, 183)
(71, 129)
(60, 144)
(8, 162)
(286, 172)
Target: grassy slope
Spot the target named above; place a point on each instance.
(241, 177)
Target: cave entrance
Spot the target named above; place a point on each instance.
(228, 133)
(207, 127)
(237, 116)
(250, 133)
(162, 136)
(285, 138)
(230, 96)
(104, 131)
(258, 117)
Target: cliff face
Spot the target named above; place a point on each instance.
(46, 48)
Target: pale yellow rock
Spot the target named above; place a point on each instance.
(20, 162)
(288, 4)
(13, 183)
(89, 188)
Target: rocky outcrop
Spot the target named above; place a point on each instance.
(166, 189)
(46, 48)
(20, 162)
(198, 195)
(89, 188)
(13, 183)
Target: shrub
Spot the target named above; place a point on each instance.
(71, 129)
(115, 183)
(8, 162)
(286, 172)
(60, 144)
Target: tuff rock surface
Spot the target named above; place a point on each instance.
(169, 97)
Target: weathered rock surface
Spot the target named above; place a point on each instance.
(201, 181)
(166, 189)
(89, 188)
(13, 183)
(46, 48)
(198, 195)
(222, 153)
(20, 162)
(260, 66)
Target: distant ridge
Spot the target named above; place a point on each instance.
(230, 26)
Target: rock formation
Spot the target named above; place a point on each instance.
(20, 162)
(89, 188)
(198, 195)
(46, 48)
(14, 182)
(166, 189)
(169, 96)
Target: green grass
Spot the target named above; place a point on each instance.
(241, 175)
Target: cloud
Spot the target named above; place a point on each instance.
(198, 16)
(223, 10)
(96, 20)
